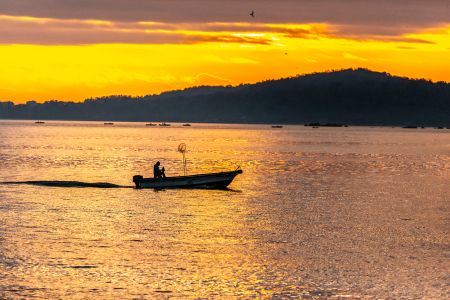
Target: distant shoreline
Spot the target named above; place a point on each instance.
(180, 124)
(348, 97)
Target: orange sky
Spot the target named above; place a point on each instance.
(63, 57)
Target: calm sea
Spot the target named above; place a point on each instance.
(328, 212)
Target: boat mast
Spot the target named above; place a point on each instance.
(182, 150)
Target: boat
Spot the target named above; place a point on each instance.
(187, 125)
(150, 124)
(164, 124)
(39, 122)
(108, 123)
(318, 124)
(277, 126)
(208, 181)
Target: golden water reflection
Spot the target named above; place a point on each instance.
(335, 212)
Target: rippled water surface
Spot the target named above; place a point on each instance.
(328, 212)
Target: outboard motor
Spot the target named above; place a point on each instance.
(137, 180)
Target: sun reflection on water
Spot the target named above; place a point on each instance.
(309, 216)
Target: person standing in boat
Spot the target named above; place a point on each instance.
(157, 172)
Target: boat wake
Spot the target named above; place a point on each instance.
(77, 184)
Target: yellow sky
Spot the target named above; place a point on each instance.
(211, 54)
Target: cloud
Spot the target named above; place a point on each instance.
(353, 57)
(60, 31)
(406, 48)
(383, 38)
(228, 38)
(303, 31)
(46, 31)
(206, 79)
(388, 12)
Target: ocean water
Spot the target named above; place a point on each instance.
(352, 212)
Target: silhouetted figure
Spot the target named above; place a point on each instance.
(252, 14)
(157, 172)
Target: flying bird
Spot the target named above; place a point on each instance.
(252, 14)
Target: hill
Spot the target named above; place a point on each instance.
(352, 96)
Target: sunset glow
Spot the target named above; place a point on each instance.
(67, 58)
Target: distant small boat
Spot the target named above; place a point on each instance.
(277, 126)
(163, 124)
(410, 127)
(150, 124)
(317, 124)
(187, 125)
(39, 122)
(108, 123)
(209, 181)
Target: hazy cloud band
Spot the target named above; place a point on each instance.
(415, 13)
(51, 31)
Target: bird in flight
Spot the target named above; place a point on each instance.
(252, 14)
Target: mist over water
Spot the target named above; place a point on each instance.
(345, 212)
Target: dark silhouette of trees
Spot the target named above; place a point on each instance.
(352, 96)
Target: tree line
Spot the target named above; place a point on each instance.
(352, 96)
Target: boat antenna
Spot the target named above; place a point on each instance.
(182, 150)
